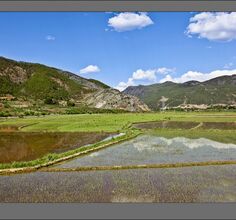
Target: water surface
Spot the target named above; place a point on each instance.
(25, 146)
(189, 184)
(150, 149)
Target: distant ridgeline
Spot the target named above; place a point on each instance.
(33, 86)
(36, 89)
(216, 93)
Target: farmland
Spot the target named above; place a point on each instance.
(152, 147)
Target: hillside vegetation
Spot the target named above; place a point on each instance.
(39, 89)
(220, 91)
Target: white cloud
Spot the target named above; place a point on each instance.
(90, 69)
(144, 74)
(150, 75)
(50, 38)
(198, 76)
(123, 85)
(127, 21)
(164, 70)
(220, 26)
(166, 78)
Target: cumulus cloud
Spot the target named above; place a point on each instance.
(219, 26)
(144, 74)
(164, 70)
(198, 76)
(90, 69)
(166, 78)
(50, 38)
(127, 21)
(150, 75)
(123, 85)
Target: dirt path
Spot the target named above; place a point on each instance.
(198, 126)
(142, 166)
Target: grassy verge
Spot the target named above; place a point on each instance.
(51, 159)
(114, 123)
(144, 166)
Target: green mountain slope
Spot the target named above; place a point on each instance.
(217, 91)
(37, 84)
(98, 83)
(37, 81)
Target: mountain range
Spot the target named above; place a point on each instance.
(220, 91)
(26, 85)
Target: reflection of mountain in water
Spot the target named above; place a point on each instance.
(24, 146)
(150, 149)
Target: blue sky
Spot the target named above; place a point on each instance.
(123, 49)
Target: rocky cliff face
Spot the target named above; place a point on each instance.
(114, 99)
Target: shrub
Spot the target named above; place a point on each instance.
(50, 101)
(27, 113)
(5, 114)
(70, 103)
(6, 105)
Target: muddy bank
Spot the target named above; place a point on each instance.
(185, 125)
(8, 128)
(26, 146)
(219, 125)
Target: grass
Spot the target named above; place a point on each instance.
(109, 122)
(115, 123)
(142, 166)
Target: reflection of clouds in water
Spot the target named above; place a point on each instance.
(193, 143)
(113, 136)
(141, 146)
(145, 143)
(94, 154)
(149, 149)
(165, 145)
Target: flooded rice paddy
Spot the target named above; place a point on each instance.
(151, 149)
(185, 125)
(189, 184)
(25, 146)
(8, 128)
(186, 184)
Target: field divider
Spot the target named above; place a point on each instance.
(100, 146)
(140, 166)
(27, 125)
(198, 126)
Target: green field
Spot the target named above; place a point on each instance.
(117, 123)
(109, 122)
